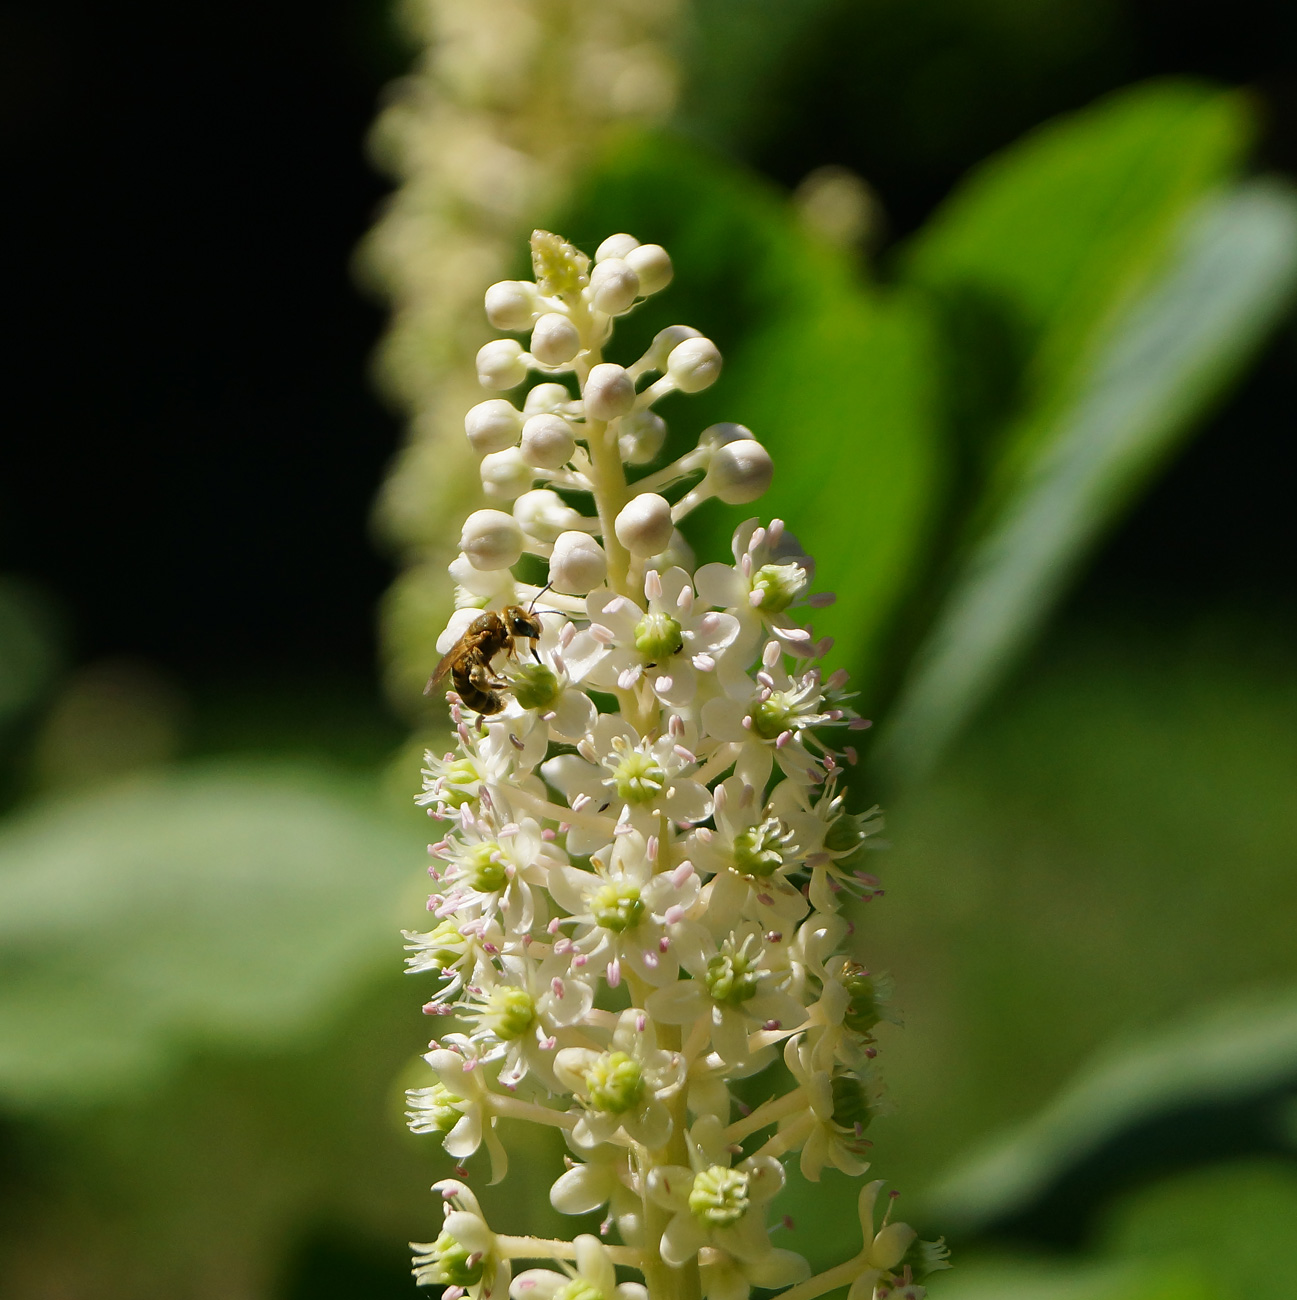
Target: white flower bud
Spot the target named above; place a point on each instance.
(554, 341)
(545, 397)
(493, 425)
(500, 364)
(653, 266)
(640, 437)
(664, 343)
(615, 246)
(505, 475)
(644, 525)
(740, 471)
(613, 287)
(578, 564)
(511, 305)
(717, 435)
(694, 364)
(488, 584)
(491, 540)
(547, 442)
(609, 392)
(544, 515)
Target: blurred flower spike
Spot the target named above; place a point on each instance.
(643, 811)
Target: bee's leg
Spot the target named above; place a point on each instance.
(535, 654)
(480, 676)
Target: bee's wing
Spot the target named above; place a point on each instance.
(442, 668)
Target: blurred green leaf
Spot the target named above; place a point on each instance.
(833, 375)
(239, 903)
(1017, 1280)
(1134, 299)
(1232, 1222)
(1236, 1050)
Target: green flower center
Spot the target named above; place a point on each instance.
(779, 585)
(437, 1105)
(771, 717)
(862, 1012)
(453, 1261)
(535, 686)
(510, 1012)
(638, 778)
(730, 978)
(719, 1196)
(657, 637)
(758, 851)
(447, 933)
(459, 773)
(851, 1104)
(844, 834)
(485, 873)
(616, 907)
(578, 1288)
(615, 1083)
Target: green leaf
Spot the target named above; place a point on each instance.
(831, 374)
(1235, 1050)
(226, 903)
(1015, 1280)
(1154, 368)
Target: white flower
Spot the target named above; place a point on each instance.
(668, 643)
(465, 1258)
(751, 851)
(625, 1087)
(517, 1018)
(830, 1130)
(623, 912)
(633, 779)
(712, 1204)
(593, 1278)
(733, 989)
(458, 1107)
(491, 869)
(604, 1179)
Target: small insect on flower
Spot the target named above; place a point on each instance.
(468, 661)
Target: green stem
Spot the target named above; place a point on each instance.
(829, 1280)
(550, 1248)
(767, 1113)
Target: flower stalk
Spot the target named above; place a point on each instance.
(638, 908)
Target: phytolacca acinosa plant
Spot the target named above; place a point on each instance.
(636, 908)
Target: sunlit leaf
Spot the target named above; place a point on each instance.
(1153, 370)
(235, 904)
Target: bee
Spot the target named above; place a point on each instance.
(468, 661)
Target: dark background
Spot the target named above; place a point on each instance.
(191, 441)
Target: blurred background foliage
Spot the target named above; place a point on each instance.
(1006, 286)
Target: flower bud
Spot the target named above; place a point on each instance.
(506, 475)
(717, 435)
(491, 539)
(545, 397)
(653, 266)
(644, 525)
(740, 471)
(578, 564)
(613, 287)
(664, 342)
(493, 425)
(640, 437)
(554, 341)
(544, 515)
(609, 392)
(694, 364)
(500, 364)
(547, 442)
(485, 584)
(615, 246)
(511, 305)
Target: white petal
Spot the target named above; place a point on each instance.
(683, 1239)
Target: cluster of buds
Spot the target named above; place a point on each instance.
(639, 887)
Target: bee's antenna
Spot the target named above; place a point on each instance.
(531, 609)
